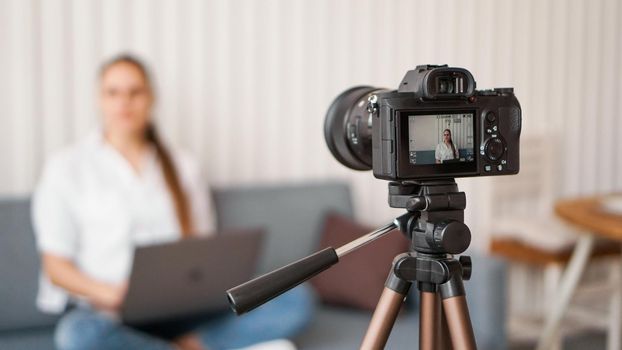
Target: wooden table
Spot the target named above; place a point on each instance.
(587, 215)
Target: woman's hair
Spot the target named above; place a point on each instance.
(180, 199)
(453, 148)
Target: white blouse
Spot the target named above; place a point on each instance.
(92, 207)
(445, 152)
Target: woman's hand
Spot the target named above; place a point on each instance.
(188, 342)
(108, 297)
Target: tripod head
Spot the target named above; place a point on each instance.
(437, 226)
(434, 223)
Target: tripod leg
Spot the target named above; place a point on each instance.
(457, 311)
(445, 340)
(386, 312)
(433, 331)
(459, 322)
(429, 318)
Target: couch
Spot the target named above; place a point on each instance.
(292, 215)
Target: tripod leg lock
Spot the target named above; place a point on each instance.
(412, 268)
(467, 267)
(397, 284)
(447, 272)
(454, 286)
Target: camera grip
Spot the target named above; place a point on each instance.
(256, 292)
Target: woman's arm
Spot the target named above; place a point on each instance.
(65, 274)
(56, 229)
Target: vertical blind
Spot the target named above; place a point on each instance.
(244, 84)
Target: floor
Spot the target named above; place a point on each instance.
(591, 341)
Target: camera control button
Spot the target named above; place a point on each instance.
(491, 117)
(504, 162)
(489, 131)
(487, 168)
(494, 148)
(494, 128)
(500, 167)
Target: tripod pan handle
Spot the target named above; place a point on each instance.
(256, 292)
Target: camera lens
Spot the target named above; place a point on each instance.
(347, 129)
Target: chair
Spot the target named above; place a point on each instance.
(525, 231)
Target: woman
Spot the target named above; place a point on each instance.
(446, 150)
(118, 189)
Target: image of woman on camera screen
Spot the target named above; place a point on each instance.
(446, 150)
(119, 188)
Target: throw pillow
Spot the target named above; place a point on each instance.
(358, 279)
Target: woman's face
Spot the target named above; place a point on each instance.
(125, 100)
(446, 136)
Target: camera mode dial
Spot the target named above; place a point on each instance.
(494, 148)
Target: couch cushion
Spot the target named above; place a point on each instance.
(38, 338)
(291, 214)
(337, 328)
(19, 268)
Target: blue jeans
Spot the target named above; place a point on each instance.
(283, 317)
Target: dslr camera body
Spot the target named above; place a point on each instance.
(435, 125)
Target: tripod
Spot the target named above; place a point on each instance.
(435, 227)
(434, 223)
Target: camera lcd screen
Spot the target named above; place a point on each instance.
(441, 138)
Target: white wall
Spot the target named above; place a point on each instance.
(245, 84)
(423, 129)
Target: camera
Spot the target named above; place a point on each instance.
(435, 125)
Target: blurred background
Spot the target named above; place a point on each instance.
(244, 85)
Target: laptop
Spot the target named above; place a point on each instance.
(189, 277)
